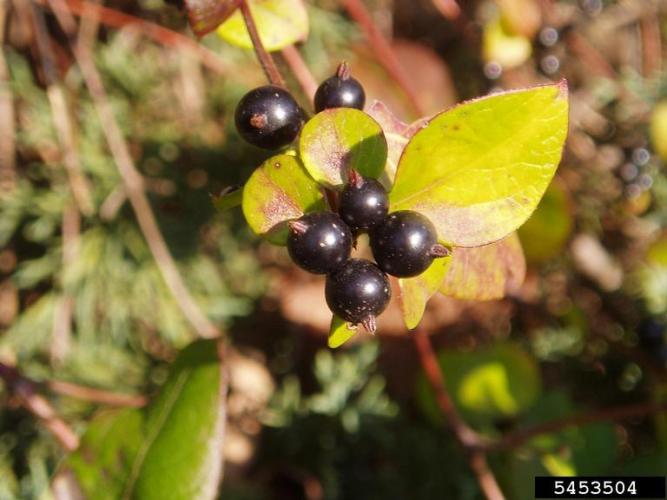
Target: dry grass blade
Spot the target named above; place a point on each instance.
(133, 181)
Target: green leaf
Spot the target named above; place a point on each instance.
(415, 292)
(336, 140)
(340, 332)
(278, 191)
(170, 449)
(479, 170)
(503, 47)
(279, 23)
(228, 200)
(486, 273)
(544, 235)
(497, 382)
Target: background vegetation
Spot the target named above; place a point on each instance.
(566, 374)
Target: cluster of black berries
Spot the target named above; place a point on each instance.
(270, 118)
(403, 244)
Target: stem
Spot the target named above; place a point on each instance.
(133, 181)
(26, 391)
(96, 395)
(300, 70)
(160, 34)
(265, 59)
(383, 51)
(471, 442)
(519, 437)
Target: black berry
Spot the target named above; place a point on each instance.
(358, 292)
(268, 117)
(319, 242)
(363, 203)
(340, 91)
(405, 244)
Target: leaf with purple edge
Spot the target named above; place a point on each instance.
(278, 191)
(336, 140)
(485, 273)
(478, 170)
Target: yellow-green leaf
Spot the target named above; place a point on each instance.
(479, 170)
(485, 273)
(340, 332)
(228, 200)
(659, 129)
(336, 140)
(495, 382)
(415, 292)
(544, 235)
(507, 49)
(278, 191)
(279, 22)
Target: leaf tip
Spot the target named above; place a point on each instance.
(563, 90)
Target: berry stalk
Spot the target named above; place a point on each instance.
(265, 59)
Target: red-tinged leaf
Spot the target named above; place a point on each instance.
(336, 140)
(478, 170)
(486, 273)
(206, 15)
(396, 132)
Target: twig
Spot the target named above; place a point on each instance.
(95, 395)
(133, 181)
(300, 70)
(515, 439)
(78, 183)
(651, 41)
(164, 36)
(26, 391)
(265, 59)
(471, 442)
(383, 51)
(7, 127)
(62, 321)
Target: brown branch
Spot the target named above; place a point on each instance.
(62, 321)
(651, 42)
(26, 391)
(161, 35)
(517, 438)
(8, 174)
(471, 442)
(133, 181)
(265, 59)
(60, 113)
(96, 395)
(383, 51)
(300, 70)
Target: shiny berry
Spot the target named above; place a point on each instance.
(405, 244)
(363, 203)
(319, 242)
(358, 292)
(340, 91)
(268, 117)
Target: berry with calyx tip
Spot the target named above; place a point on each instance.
(340, 91)
(268, 117)
(405, 244)
(363, 203)
(319, 242)
(358, 292)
